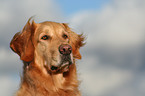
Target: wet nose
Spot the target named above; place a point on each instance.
(65, 49)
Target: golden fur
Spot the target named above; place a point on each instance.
(39, 55)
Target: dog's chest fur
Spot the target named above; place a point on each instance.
(36, 83)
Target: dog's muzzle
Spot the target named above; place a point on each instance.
(65, 51)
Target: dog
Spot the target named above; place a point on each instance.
(48, 51)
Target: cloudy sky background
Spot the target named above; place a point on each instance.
(113, 61)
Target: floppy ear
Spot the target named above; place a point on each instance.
(22, 42)
(76, 41)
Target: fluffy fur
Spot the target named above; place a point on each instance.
(39, 55)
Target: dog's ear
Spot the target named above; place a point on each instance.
(22, 42)
(76, 41)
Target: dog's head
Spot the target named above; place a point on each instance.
(49, 44)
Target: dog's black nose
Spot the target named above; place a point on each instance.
(65, 49)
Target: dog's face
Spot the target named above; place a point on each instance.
(50, 45)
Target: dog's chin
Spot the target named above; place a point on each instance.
(63, 67)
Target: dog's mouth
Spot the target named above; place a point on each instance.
(64, 61)
(63, 66)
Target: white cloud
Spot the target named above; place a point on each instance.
(117, 27)
(15, 13)
(9, 61)
(8, 84)
(103, 80)
(115, 46)
(24, 9)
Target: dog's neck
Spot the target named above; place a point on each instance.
(34, 78)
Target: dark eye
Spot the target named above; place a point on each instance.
(65, 36)
(45, 37)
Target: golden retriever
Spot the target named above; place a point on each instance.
(48, 51)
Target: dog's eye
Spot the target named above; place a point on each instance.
(65, 36)
(45, 37)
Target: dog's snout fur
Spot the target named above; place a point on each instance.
(66, 59)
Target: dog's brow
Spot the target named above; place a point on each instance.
(41, 28)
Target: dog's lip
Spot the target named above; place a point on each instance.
(54, 68)
(62, 66)
(45, 63)
(65, 64)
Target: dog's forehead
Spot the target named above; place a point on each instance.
(51, 28)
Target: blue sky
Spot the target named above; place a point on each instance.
(70, 7)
